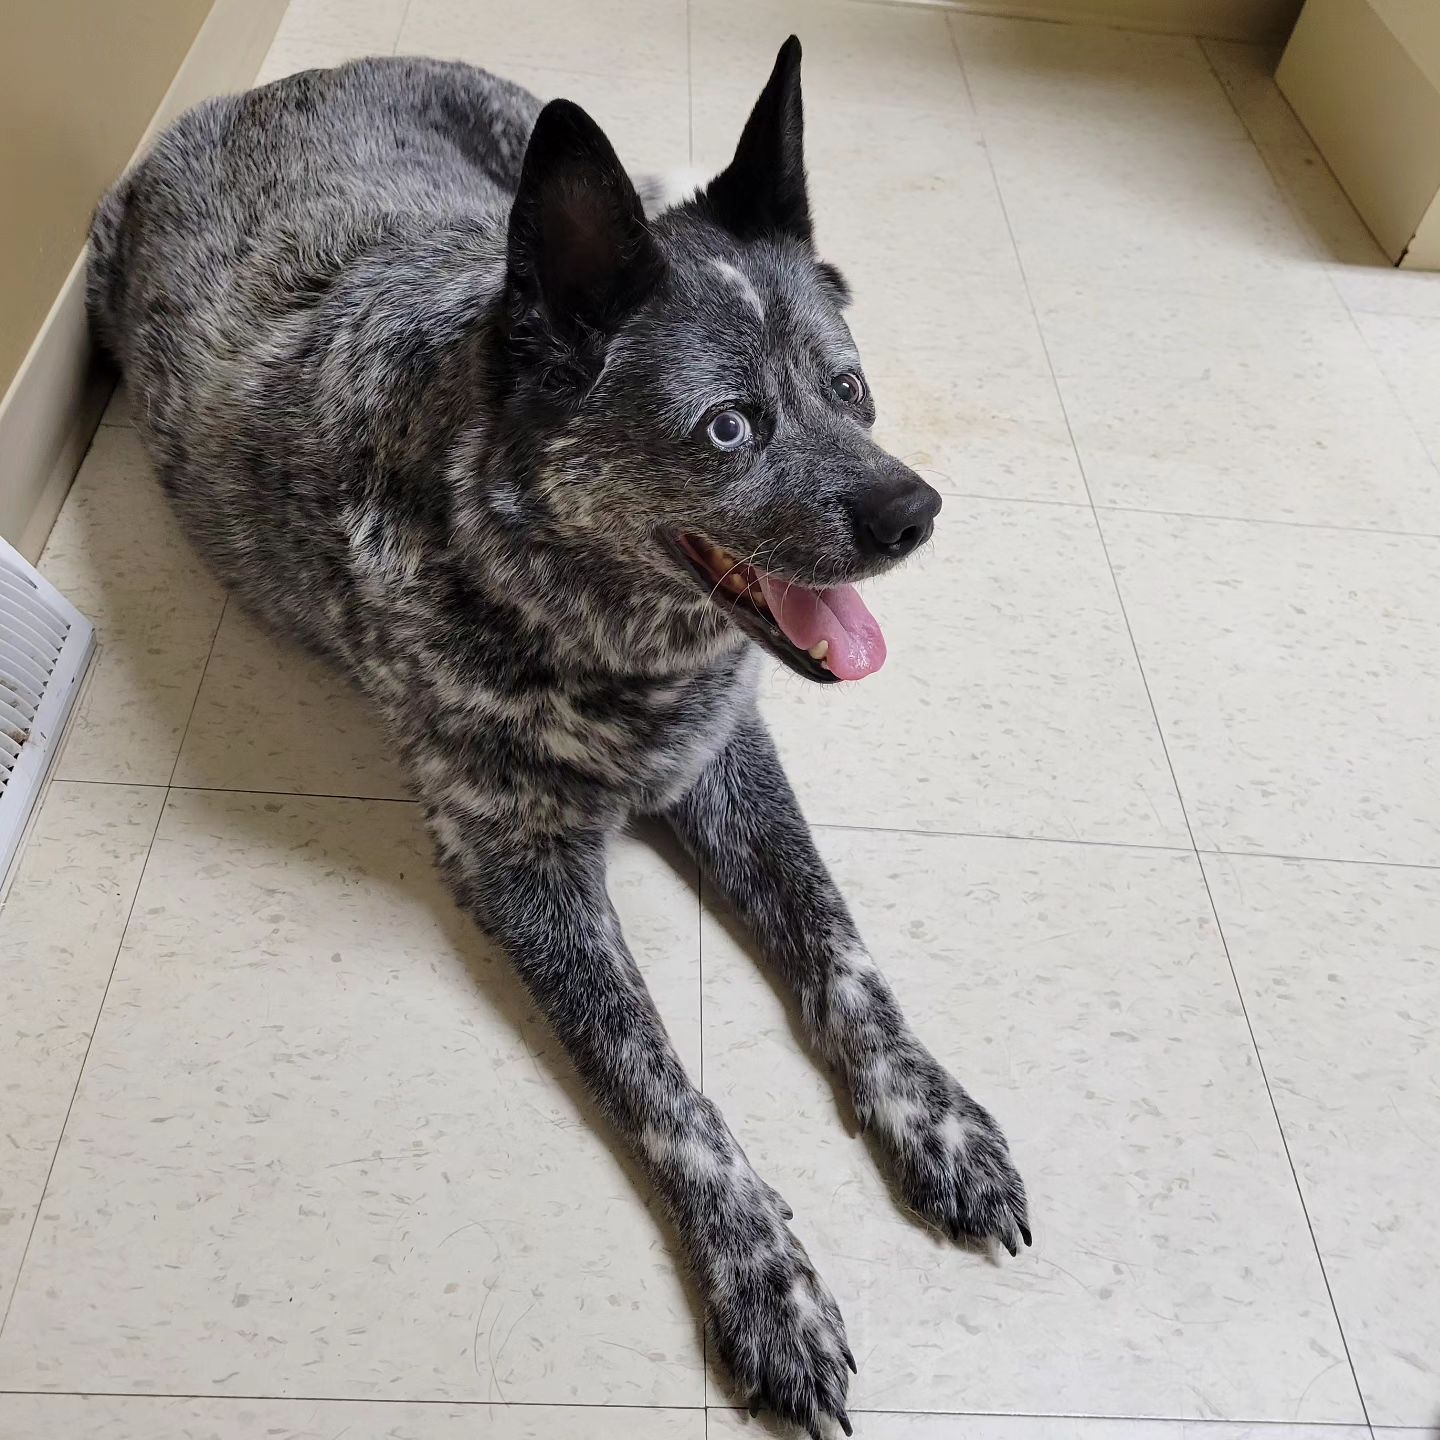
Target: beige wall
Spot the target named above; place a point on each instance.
(1364, 78)
(1226, 19)
(79, 81)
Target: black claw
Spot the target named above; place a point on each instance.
(754, 1408)
(850, 1361)
(1025, 1233)
(789, 1214)
(845, 1424)
(813, 1430)
(1010, 1246)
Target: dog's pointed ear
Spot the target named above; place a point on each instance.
(762, 191)
(580, 255)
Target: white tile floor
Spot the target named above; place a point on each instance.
(1143, 818)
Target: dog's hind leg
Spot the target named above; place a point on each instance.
(543, 897)
(946, 1154)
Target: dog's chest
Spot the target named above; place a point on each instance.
(647, 741)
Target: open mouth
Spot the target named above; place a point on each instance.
(824, 634)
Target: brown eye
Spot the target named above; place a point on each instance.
(848, 388)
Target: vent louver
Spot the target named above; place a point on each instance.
(45, 645)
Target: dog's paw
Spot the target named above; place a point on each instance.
(949, 1158)
(779, 1333)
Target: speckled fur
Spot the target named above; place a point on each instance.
(426, 398)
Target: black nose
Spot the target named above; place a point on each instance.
(894, 520)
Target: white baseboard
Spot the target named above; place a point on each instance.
(47, 418)
(54, 403)
(1258, 20)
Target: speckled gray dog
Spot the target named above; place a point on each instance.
(544, 475)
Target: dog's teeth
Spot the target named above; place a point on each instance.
(819, 650)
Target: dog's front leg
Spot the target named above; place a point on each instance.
(543, 897)
(946, 1154)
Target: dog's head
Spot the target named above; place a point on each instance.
(697, 402)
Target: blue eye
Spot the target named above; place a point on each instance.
(848, 387)
(729, 430)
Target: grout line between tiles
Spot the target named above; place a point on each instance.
(1186, 1420)
(1400, 405)
(296, 794)
(92, 780)
(80, 1071)
(400, 28)
(1192, 293)
(999, 10)
(700, 951)
(620, 1408)
(1317, 859)
(700, 958)
(1175, 779)
(1217, 850)
(1001, 835)
(459, 1404)
(1150, 845)
(1261, 520)
(977, 497)
(689, 84)
(1284, 1139)
(1280, 187)
(195, 702)
(1388, 383)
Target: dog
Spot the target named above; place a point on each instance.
(547, 475)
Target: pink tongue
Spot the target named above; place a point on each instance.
(838, 616)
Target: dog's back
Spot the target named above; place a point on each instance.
(307, 170)
(280, 279)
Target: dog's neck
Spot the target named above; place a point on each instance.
(601, 608)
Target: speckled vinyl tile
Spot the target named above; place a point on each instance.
(323, 1146)
(1082, 994)
(1293, 672)
(1340, 965)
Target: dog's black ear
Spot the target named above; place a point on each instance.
(762, 191)
(832, 278)
(580, 255)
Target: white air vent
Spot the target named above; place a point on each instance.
(45, 644)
